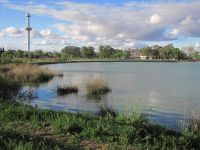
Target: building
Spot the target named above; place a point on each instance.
(136, 54)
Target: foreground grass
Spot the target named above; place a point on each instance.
(27, 72)
(22, 126)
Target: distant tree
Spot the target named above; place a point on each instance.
(106, 51)
(63, 56)
(72, 51)
(8, 54)
(19, 54)
(88, 52)
(120, 54)
(38, 54)
(147, 51)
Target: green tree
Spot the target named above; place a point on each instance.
(19, 54)
(38, 54)
(72, 51)
(8, 54)
(147, 51)
(88, 52)
(120, 54)
(106, 51)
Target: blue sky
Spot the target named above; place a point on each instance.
(121, 24)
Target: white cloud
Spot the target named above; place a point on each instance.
(13, 32)
(155, 19)
(120, 26)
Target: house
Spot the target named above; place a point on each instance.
(136, 54)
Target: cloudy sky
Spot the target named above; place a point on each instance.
(119, 23)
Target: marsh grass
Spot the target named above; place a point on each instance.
(67, 89)
(107, 111)
(118, 132)
(27, 72)
(97, 86)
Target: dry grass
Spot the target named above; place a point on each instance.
(67, 89)
(28, 73)
(97, 86)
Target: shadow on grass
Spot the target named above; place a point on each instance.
(10, 139)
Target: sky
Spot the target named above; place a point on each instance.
(119, 23)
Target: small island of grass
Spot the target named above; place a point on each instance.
(97, 86)
(67, 89)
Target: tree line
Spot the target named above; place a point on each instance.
(104, 52)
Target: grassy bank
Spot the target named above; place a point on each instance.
(23, 126)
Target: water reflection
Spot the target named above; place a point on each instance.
(165, 91)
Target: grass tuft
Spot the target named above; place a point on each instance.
(68, 89)
(97, 86)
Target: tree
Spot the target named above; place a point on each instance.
(72, 51)
(8, 54)
(106, 51)
(147, 51)
(88, 52)
(19, 53)
(38, 54)
(120, 54)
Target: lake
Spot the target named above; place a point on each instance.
(165, 92)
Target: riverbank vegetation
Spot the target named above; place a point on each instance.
(67, 89)
(71, 53)
(27, 72)
(27, 127)
(97, 86)
(60, 130)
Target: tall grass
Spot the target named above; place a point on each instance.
(27, 72)
(67, 89)
(97, 86)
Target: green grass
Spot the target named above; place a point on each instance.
(68, 89)
(23, 125)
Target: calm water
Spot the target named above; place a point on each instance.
(166, 92)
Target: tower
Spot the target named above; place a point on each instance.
(28, 29)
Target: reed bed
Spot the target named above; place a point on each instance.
(67, 89)
(27, 73)
(97, 86)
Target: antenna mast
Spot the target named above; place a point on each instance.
(28, 29)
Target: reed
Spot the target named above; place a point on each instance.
(67, 89)
(97, 86)
(27, 73)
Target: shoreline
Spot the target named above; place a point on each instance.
(109, 61)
